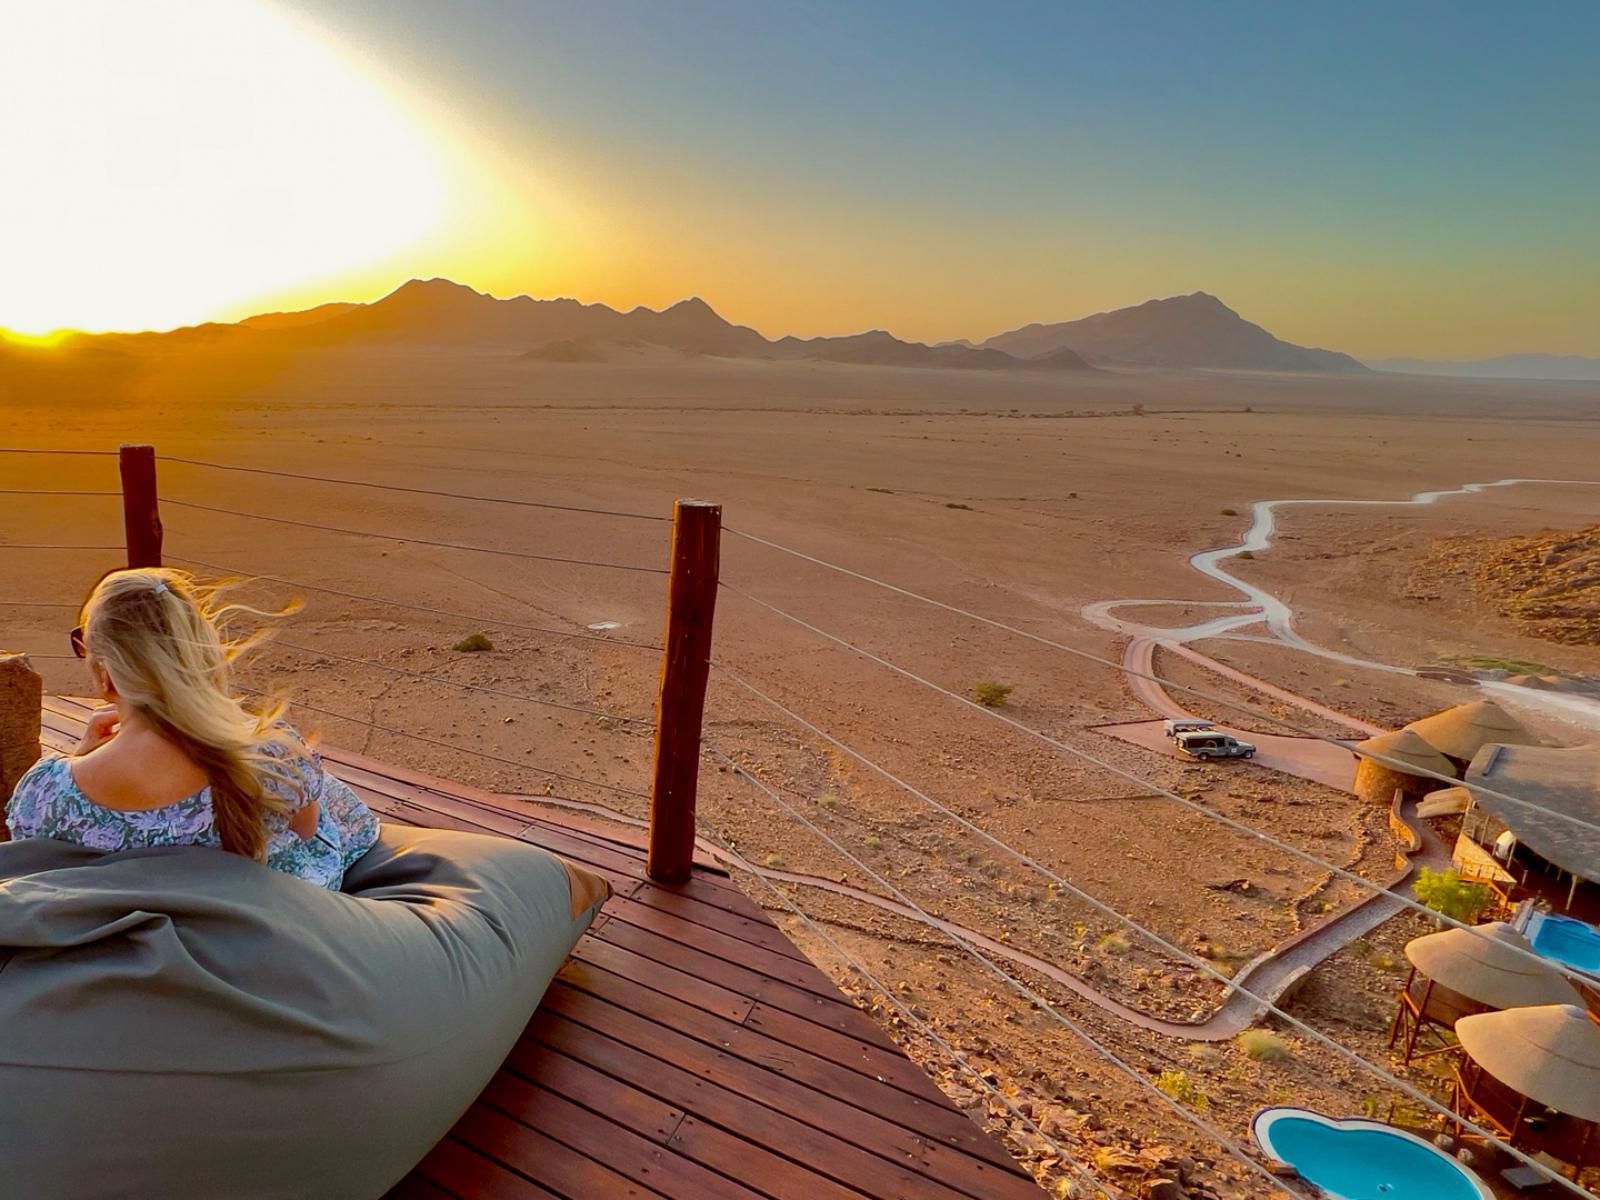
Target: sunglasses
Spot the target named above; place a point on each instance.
(76, 638)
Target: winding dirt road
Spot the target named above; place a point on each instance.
(1273, 973)
(1304, 757)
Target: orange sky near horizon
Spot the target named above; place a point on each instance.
(193, 160)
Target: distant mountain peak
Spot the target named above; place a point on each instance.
(1194, 330)
(1198, 300)
(437, 286)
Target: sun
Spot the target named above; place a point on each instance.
(168, 160)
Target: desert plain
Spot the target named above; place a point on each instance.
(1021, 496)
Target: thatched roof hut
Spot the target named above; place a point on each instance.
(1550, 1054)
(1549, 796)
(1484, 964)
(1401, 751)
(1460, 732)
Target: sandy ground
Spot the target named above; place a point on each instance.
(1068, 491)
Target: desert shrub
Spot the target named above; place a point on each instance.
(1263, 1045)
(773, 860)
(474, 643)
(1137, 410)
(1181, 1088)
(1446, 892)
(1230, 512)
(872, 841)
(882, 491)
(1516, 666)
(962, 507)
(1113, 943)
(990, 693)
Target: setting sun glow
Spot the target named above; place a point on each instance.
(167, 161)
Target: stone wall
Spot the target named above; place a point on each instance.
(21, 693)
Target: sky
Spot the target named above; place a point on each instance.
(1383, 179)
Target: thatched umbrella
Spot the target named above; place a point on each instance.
(1549, 1054)
(1462, 731)
(1378, 782)
(1483, 964)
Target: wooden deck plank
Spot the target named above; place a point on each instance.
(874, 1061)
(754, 929)
(687, 1078)
(834, 1012)
(800, 972)
(542, 1159)
(862, 1056)
(687, 1050)
(738, 1062)
(781, 1156)
(619, 1098)
(624, 964)
(468, 1175)
(934, 1122)
(640, 1159)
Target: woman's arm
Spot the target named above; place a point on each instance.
(100, 729)
(304, 821)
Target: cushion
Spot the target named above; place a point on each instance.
(183, 1022)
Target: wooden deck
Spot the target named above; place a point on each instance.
(687, 1049)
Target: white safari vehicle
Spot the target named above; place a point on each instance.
(1208, 743)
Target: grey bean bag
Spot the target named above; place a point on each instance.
(180, 1022)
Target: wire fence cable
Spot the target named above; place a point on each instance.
(413, 541)
(415, 491)
(1183, 955)
(1198, 693)
(471, 618)
(1167, 793)
(434, 677)
(1044, 1004)
(909, 1016)
(474, 751)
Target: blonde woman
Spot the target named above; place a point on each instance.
(175, 758)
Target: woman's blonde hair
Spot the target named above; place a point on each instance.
(162, 639)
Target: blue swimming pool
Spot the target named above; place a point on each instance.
(1363, 1160)
(1566, 941)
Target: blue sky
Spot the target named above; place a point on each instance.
(1383, 178)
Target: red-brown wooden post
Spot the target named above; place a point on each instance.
(681, 702)
(141, 516)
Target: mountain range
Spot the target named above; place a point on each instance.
(1194, 331)
(1574, 367)
(439, 312)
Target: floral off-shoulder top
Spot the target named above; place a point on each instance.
(47, 803)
